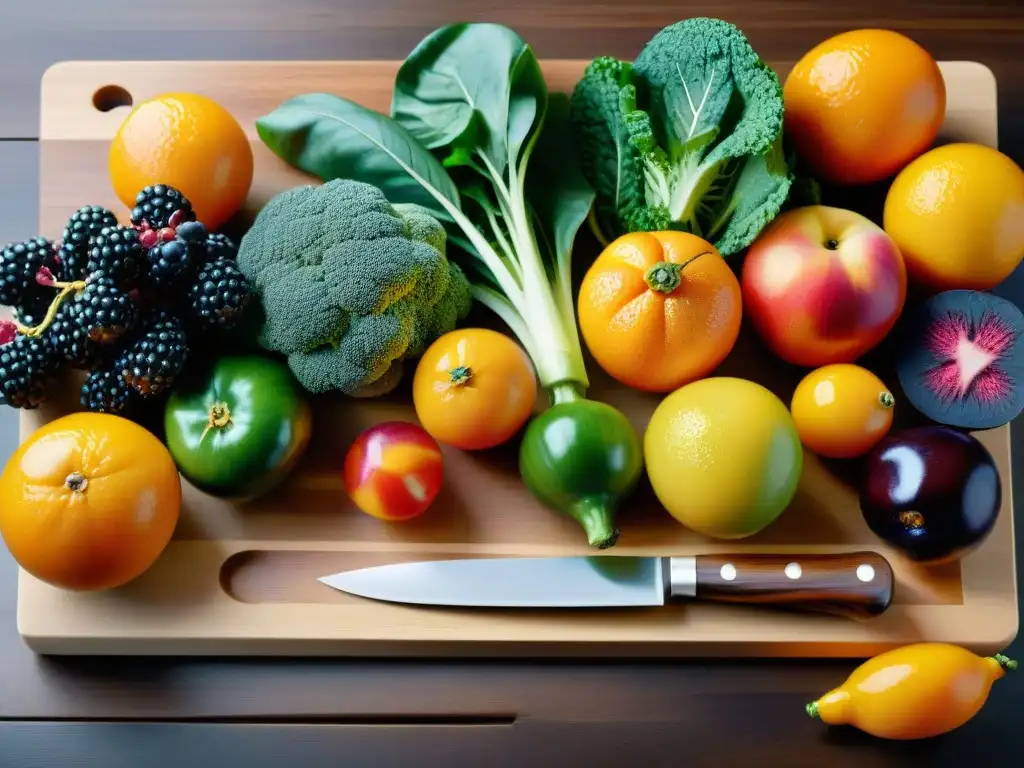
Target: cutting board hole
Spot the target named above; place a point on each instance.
(111, 97)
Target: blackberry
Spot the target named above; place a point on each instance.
(25, 365)
(156, 357)
(193, 232)
(169, 262)
(74, 250)
(103, 311)
(220, 246)
(106, 391)
(19, 263)
(156, 205)
(219, 295)
(115, 251)
(70, 340)
(34, 305)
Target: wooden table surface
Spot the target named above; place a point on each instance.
(117, 713)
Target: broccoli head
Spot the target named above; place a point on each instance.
(351, 285)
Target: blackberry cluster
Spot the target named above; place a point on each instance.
(19, 265)
(75, 248)
(116, 252)
(26, 364)
(70, 339)
(153, 361)
(126, 304)
(106, 391)
(157, 206)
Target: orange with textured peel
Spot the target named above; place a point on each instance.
(957, 215)
(89, 501)
(862, 104)
(658, 310)
(189, 142)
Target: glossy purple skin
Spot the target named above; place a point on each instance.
(932, 492)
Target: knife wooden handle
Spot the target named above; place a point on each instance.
(853, 584)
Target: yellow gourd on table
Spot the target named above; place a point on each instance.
(913, 692)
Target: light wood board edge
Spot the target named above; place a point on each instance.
(220, 625)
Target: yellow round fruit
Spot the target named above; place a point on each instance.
(842, 410)
(957, 215)
(723, 456)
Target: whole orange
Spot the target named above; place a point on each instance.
(89, 501)
(658, 310)
(862, 104)
(189, 142)
(841, 410)
(957, 215)
(474, 388)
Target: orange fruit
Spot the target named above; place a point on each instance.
(658, 310)
(89, 501)
(474, 388)
(189, 142)
(841, 410)
(957, 215)
(862, 104)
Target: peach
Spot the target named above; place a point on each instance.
(823, 285)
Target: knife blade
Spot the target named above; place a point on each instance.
(852, 584)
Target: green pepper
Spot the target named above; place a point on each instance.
(238, 428)
(582, 458)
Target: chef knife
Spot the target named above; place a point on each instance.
(853, 584)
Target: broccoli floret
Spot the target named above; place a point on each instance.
(351, 285)
(687, 137)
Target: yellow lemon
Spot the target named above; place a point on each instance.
(957, 215)
(723, 456)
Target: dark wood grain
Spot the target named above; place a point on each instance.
(34, 35)
(826, 583)
(712, 713)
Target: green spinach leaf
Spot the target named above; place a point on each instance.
(453, 90)
(334, 138)
(557, 190)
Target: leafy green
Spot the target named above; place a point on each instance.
(474, 138)
(686, 137)
(335, 138)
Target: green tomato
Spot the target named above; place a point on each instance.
(238, 430)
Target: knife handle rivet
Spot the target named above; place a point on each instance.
(728, 572)
(865, 572)
(794, 571)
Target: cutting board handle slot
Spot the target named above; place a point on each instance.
(111, 97)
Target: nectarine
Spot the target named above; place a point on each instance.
(823, 285)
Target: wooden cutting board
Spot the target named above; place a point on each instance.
(240, 580)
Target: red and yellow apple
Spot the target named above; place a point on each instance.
(823, 285)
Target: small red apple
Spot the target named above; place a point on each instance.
(823, 285)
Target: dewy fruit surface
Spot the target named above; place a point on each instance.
(89, 501)
(659, 310)
(723, 456)
(957, 214)
(188, 142)
(862, 104)
(916, 691)
(823, 285)
(842, 410)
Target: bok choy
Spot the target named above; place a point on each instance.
(475, 138)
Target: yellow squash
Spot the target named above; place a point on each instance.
(913, 692)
